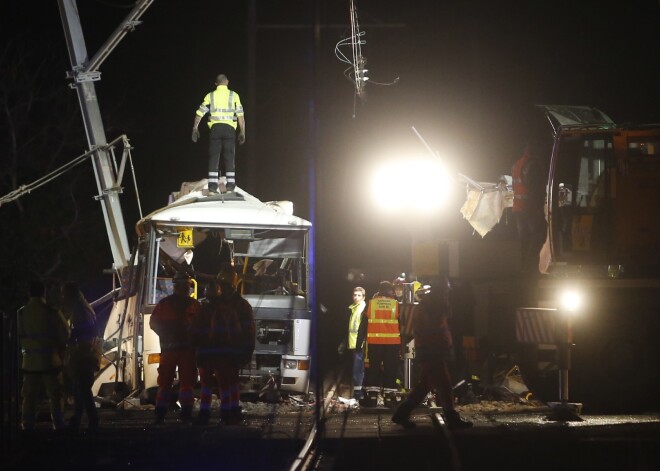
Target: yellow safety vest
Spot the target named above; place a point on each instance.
(223, 105)
(354, 323)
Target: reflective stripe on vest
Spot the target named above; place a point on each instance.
(222, 115)
(383, 324)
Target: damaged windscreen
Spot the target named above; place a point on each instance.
(267, 261)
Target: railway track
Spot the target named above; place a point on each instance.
(331, 445)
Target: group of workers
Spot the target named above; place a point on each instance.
(58, 344)
(212, 339)
(375, 343)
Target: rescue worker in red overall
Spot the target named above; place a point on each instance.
(225, 112)
(383, 338)
(433, 353)
(215, 333)
(171, 320)
(528, 207)
(246, 340)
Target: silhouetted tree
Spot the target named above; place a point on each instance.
(56, 232)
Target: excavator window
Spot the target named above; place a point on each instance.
(580, 221)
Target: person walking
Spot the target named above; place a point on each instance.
(225, 113)
(383, 338)
(42, 333)
(216, 334)
(433, 354)
(83, 356)
(354, 343)
(171, 320)
(529, 183)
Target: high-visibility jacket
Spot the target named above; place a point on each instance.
(43, 333)
(354, 322)
(529, 185)
(383, 321)
(520, 188)
(223, 105)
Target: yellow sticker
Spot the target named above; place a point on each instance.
(185, 239)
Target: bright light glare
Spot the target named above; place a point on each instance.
(571, 300)
(418, 186)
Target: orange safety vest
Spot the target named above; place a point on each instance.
(520, 189)
(383, 321)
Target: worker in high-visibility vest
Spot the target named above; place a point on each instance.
(354, 342)
(225, 114)
(43, 333)
(383, 338)
(528, 207)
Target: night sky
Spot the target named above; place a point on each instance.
(469, 74)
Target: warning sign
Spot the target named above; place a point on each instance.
(185, 239)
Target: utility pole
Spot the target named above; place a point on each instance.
(84, 73)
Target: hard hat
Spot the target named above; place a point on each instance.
(397, 285)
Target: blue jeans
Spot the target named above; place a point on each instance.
(358, 367)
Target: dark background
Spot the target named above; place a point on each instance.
(469, 74)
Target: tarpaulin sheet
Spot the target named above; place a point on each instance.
(483, 209)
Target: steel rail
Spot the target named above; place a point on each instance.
(305, 458)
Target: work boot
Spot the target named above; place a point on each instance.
(27, 422)
(235, 416)
(160, 415)
(74, 424)
(402, 415)
(231, 186)
(93, 424)
(58, 420)
(403, 420)
(186, 414)
(92, 419)
(225, 417)
(455, 422)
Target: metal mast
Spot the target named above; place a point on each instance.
(84, 74)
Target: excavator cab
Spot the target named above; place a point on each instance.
(603, 193)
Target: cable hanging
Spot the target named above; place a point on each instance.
(356, 72)
(58, 172)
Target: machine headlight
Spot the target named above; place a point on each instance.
(295, 364)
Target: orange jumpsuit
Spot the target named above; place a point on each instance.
(171, 320)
